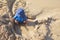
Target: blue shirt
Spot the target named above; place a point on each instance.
(20, 15)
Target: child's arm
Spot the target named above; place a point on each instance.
(31, 18)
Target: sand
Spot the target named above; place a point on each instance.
(47, 12)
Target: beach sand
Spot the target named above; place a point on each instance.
(47, 12)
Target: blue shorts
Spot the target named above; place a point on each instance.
(20, 19)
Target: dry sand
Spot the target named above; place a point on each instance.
(46, 11)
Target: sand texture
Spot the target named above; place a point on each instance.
(47, 12)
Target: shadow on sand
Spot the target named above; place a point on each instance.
(10, 27)
(47, 25)
(10, 6)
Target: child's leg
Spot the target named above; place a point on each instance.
(12, 20)
(16, 22)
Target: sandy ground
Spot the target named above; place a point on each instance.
(45, 11)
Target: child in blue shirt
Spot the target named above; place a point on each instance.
(20, 17)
